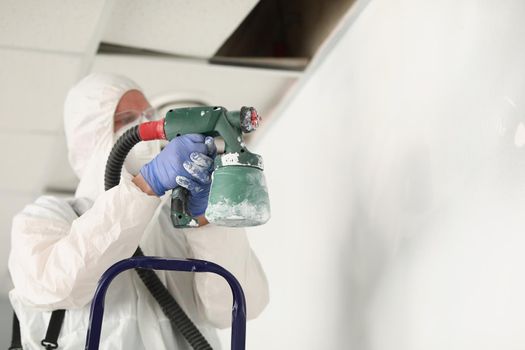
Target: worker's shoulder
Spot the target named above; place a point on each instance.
(53, 208)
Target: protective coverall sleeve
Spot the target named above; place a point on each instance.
(57, 258)
(228, 247)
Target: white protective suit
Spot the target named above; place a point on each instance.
(57, 257)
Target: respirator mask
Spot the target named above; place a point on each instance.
(143, 152)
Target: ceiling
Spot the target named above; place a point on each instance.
(181, 27)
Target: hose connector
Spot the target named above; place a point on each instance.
(152, 130)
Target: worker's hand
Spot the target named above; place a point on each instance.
(200, 168)
(180, 160)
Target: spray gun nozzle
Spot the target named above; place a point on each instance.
(249, 119)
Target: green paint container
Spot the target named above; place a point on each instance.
(238, 197)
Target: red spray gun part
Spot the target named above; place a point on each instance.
(152, 130)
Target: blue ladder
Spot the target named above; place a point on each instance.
(238, 337)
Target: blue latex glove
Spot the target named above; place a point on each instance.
(186, 161)
(200, 168)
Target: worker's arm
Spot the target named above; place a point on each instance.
(56, 258)
(228, 247)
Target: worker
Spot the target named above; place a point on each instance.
(61, 247)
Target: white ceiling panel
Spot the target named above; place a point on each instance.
(34, 85)
(228, 86)
(27, 165)
(193, 28)
(49, 25)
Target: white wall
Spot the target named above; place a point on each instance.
(396, 178)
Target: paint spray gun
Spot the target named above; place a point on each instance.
(238, 195)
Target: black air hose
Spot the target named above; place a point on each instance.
(179, 320)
